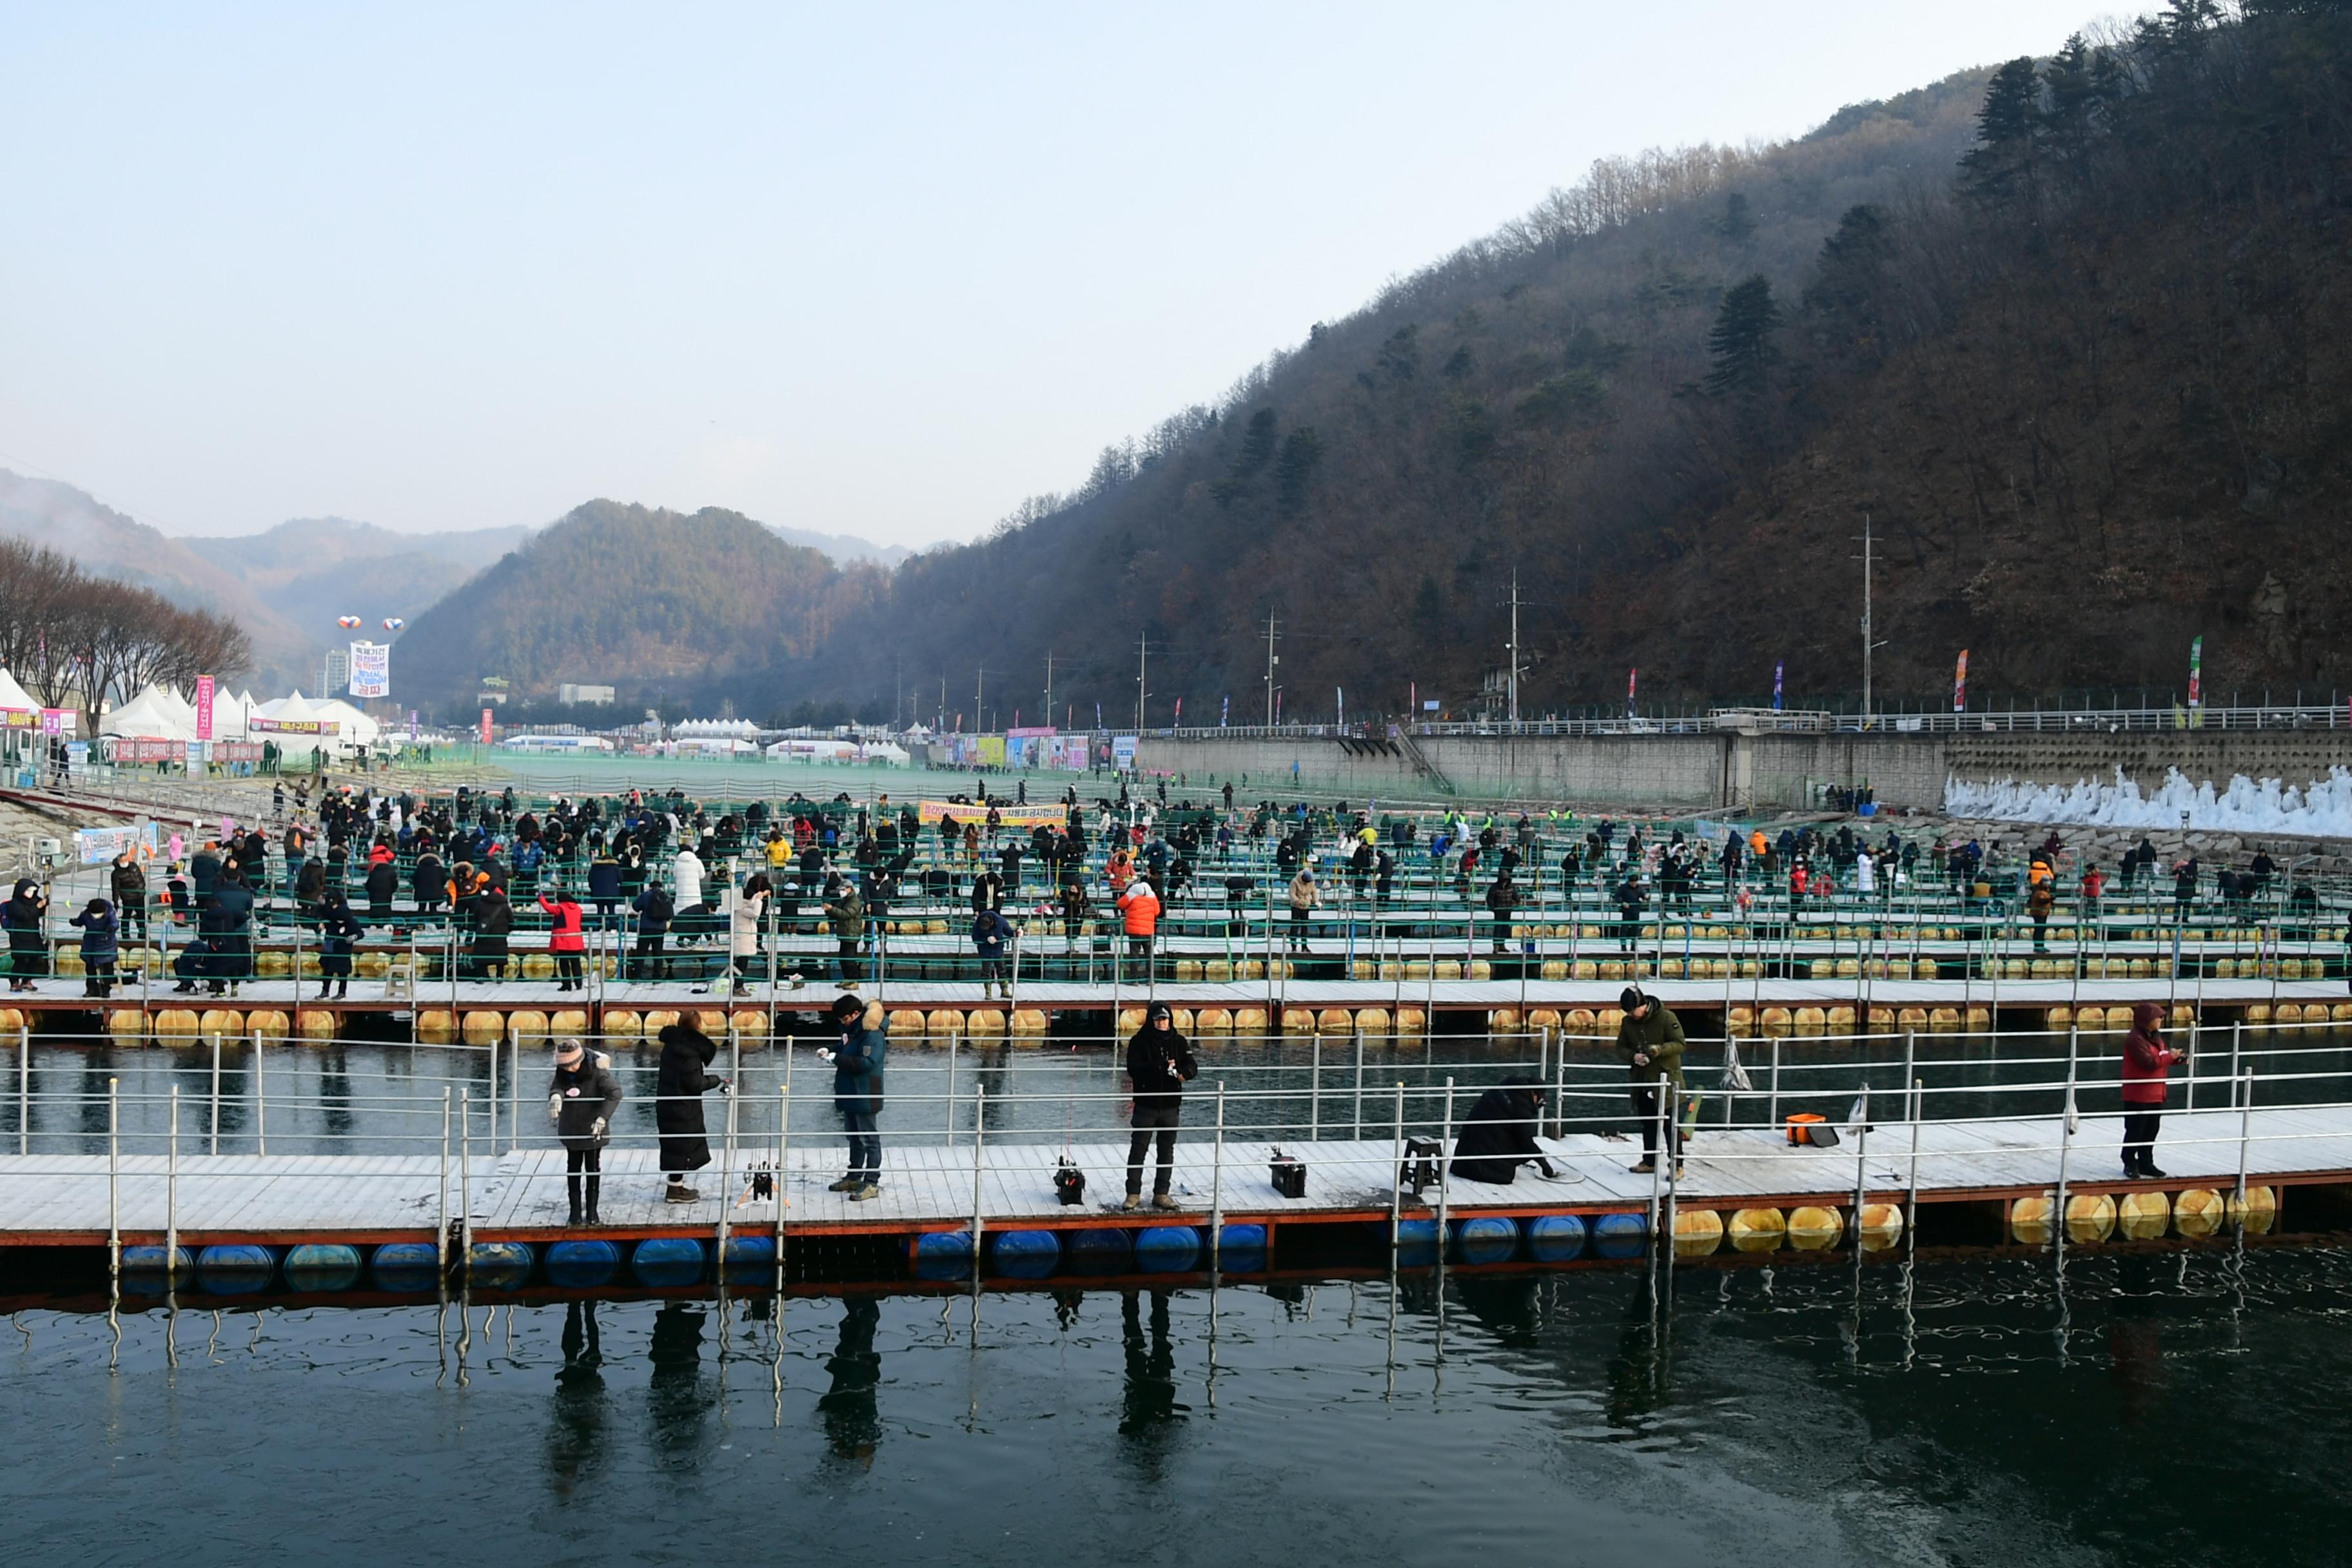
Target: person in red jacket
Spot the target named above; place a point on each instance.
(2147, 1059)
(564, 940)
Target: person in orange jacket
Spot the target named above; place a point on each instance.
(1139, 910)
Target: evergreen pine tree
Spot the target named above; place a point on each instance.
(1741, 340)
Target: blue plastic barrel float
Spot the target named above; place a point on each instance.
(1623, 1235)
(236, 1269)
(750, 1255)
(1026, 1253)
(1486, 1238)
(1241, 1250)
(143, 1270)
(1416, 1241)
(1167, 1249)
(668, 1261)
(499, 1265)
(1556, 1237)
(582, 1264)
(322, 1266)
(1106, 1250)
(405, 1266)
(943, 1255)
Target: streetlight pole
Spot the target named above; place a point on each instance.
(1271, 660)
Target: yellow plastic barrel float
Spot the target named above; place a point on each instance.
(1757, 1230)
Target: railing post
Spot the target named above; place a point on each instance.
(217, 1093)
(171, 1191)
(1356, 1125)
(25, 1088)
(114, 1178)
(783, 1156)
(1396, 1174)
(979, 1143)
(1445, 1170)
(1315, 1090)
(952, 1038)
(2246, 1134)
(261, 1097)
(1217, 1185)
(441, 1230)
(465, 1180)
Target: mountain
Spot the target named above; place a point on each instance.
(668, 606)
(847, 549)
(2070, 334)
(311, 570)
(78, 525)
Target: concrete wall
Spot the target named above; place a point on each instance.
(1714, 771)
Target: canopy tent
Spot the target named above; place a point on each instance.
(351, 724)
(15, 698)
(151, 715)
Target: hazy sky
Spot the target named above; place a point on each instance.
(868, 269)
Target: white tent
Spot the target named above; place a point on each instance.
(15, 697)
(351, 724)
(151, 715)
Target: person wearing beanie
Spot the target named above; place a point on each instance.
(857, 1071)
(1652, 1040)
(97, 947)
(1160, 1062)
(582, 1097)
(339, 929)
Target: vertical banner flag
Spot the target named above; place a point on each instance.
(1179, 719)
(1632, 680)
(1777, 671)
(485, 726)
(412, 726)
(1413, 696)
(1343, 705)
(2197, 672)
(1097, 712)
(1960, 684)
(370, 669)
(205, 690)
(1225, 711)
(1277, 704)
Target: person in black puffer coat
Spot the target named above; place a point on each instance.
(582, 1100)
(685, 1058)
(1500, 1134)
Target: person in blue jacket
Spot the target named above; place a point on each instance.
(338, 929)
(97, 947)
(858, 1065)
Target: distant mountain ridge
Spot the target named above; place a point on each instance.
(288, 585)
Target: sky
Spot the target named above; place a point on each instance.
(879, 270)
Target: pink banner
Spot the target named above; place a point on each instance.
(485, 726)
(204, 707)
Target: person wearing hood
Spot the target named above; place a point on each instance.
(582, 1100)
(1499, 1134)
(685, 1079)
(339, 929)
(493, 921)
(28, 952)
(97, 947)
(1651, 1039)
(127, 882)
(857, 1072)
(1160, 1062)
(2147, 1061)
(228, 916)
(565, 938)
(686, 879)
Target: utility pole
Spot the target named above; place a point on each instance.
(1142, 655)
(1868, 647)
(979, 685)
(1271, 660)
(1515, 645)
(1049, 686)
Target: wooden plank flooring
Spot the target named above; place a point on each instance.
(53, 1197)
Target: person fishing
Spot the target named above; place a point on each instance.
(1160, 1062)
(1651, 1038)
(2147, 1063)
(1500, 1134)
(685, 1077)
(582, 1097)
(857, 1073)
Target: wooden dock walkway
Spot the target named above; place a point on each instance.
(59, 1200)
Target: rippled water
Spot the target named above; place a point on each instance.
(2159, 1409)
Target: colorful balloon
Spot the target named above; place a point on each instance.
(392, 623)
(349, 623)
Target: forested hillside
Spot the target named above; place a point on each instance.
(660, 603)
(2087, 384)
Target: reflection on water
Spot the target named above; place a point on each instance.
(2153, 1407)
